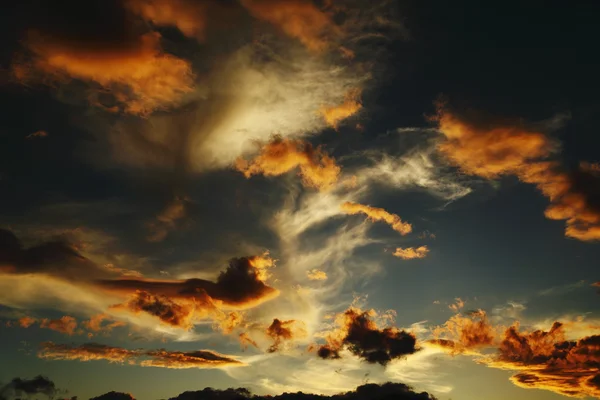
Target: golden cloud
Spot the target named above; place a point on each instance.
(145, 358)
(140, 76)
(65, 324)
(242, 285)
(458, 305)
(281, 331)
(333, 115)
(545, 360)
(410, 253)
(378, 214)
(299, 19)
(493, 151)
(316, 275)
(188, 16)
(464, 334)
(317, 169)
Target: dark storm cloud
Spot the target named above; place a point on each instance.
(57, 258)
(241, 285)
(359, 333)
(372, 391)
(19, 387)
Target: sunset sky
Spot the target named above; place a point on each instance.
(297, 195)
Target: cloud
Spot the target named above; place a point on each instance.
(241, 285)
(458, 305)
(19, 387)
(246, 340)
(417, 168)
(37, 134)
(299, 19)
(55, 257)
(140, 77)
(26, 322)
(188, 16)
(378, 214)
(465, 333)
(410, 253)
(65, 324)
(281, 331)
(491, 150)
(333, 115)
(146, 358)
(167, 219)
(165, 309)
(359, 333)
(317, 169)
(545, 360)
(96, 324)
(316, 275)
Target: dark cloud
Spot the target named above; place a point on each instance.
(241, 285)
(57, 258)
(165, 309)
(281, 331)
(545, 360)
(359, 333)
(19, 387)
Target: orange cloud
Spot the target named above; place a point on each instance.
(300, 19)
(246, 340)
(96, 323)
(145, 358)
(317, 169)
(26, 322)
(359, 333)
(190, 359)
(65, 324)
(37, 134)
(316, 275)
(167, 219)
(545, 360)
(333, 115)
(410, 253)
(281, 331)
(461, 334)
(139, 75)
(378, 214)
(458, 305)
(493, 151)
(242, 285)
(188, 16)
(165, 309)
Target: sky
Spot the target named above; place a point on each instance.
(352, 199)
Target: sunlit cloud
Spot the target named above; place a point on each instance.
(334, 114)
(144, 358)
(378, 214)
(493, 150)
(317, 169)
(139, 75)
(410, 253)
(316, 275)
